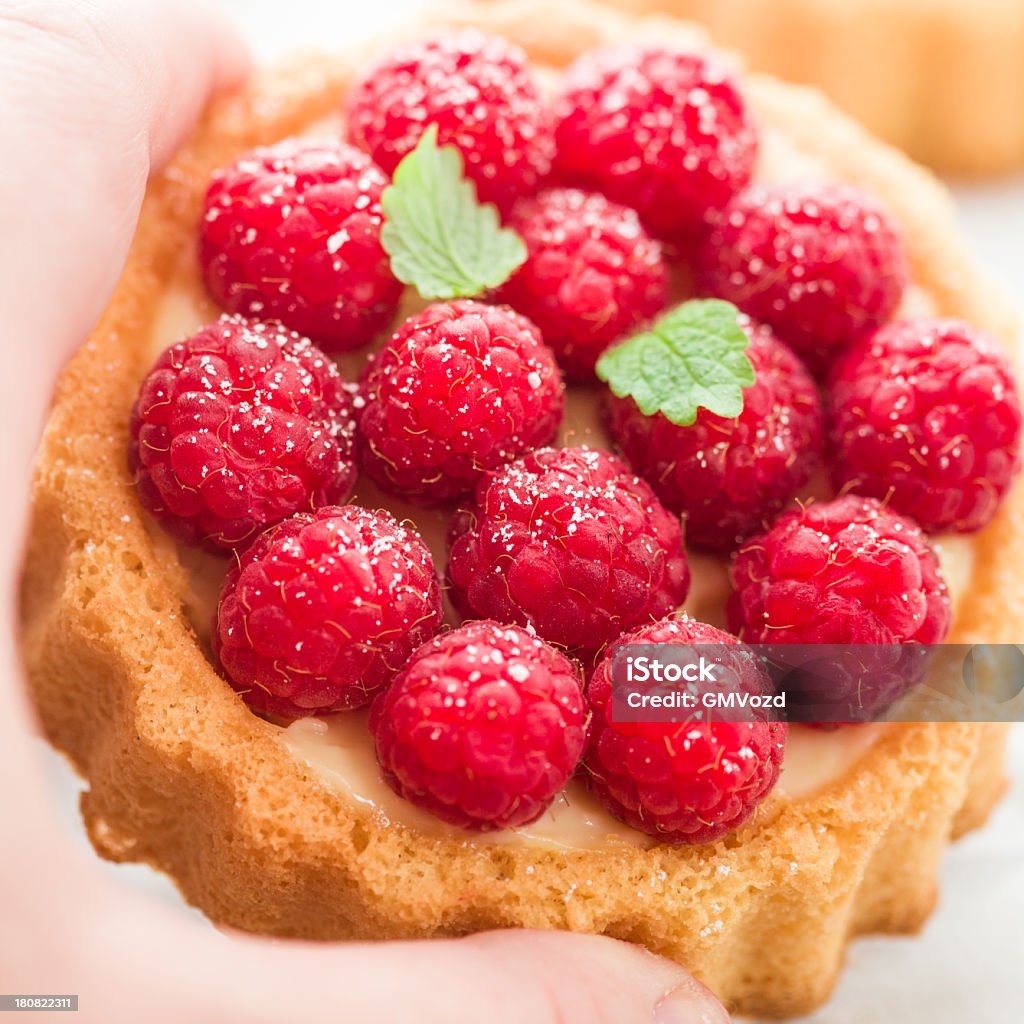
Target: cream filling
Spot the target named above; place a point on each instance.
(338, 748)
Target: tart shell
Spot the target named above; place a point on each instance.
(182, 776)
(942, 80)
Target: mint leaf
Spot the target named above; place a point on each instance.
(693, 358)
(440, 238)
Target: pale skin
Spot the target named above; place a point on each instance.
(94, 96)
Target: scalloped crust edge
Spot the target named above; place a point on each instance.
(183, 777)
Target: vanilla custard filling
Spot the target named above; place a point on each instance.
(338, 748)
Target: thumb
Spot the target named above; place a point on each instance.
(578, 979)
(502, 977)
(95, 94)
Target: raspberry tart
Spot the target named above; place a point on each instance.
(389, 718)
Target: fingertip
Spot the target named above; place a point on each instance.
(689, 1002)
(203, 49)
(232, 63)
(590, 979)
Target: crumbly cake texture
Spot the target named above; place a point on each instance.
(182, 776)
(941, 79)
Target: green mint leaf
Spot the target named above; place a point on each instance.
(693, 358)
(440, 238)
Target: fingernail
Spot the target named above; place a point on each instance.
(690, 1003)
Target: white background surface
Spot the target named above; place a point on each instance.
(965, 968)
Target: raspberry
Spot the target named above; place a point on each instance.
(729, 475)
(819, 264)
(483, 98)
(483, 727)
(834, 684)
(682, 782)
(592, 275)
(292, 233)
(848, 571)
(462, 388)
(663, 132)
(238, 427)
(925, 415)
(855, 576)
(570, 542)
(323, 610)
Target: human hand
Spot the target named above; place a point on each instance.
(96, 95)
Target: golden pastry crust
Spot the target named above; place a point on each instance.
(182, 776)
(941, 79)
